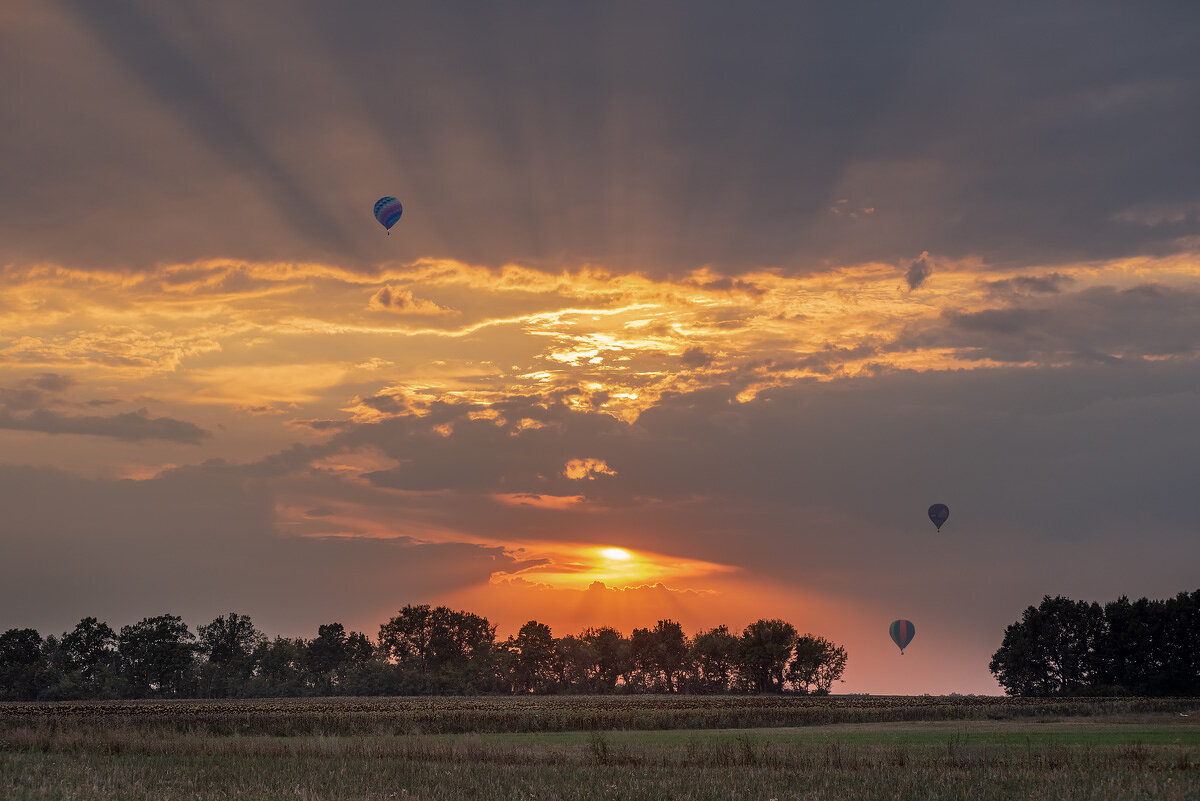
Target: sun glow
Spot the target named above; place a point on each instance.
(576, 567)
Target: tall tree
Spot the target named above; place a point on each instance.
(1056, 648)
(816, 664)
(764, 652)
(228, 644)
(91, 649)
(328, 656)
(22, 670)
(659, 655)
(157, 656)
(280, 668)
(714, 654)
(444, 650)
(610, 651)
(532, 658)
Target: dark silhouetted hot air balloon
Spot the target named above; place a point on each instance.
(939, 513)
(388, 211)
(902, 632)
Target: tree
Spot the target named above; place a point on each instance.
(659, 655)
(228, 644)
(329, 655)
(22, 670)
(714, 654)
(280, 668)
(610, 652)
(764, 652)
(575, 660)
(1056, 648)
(816, 664)
(157, 656)
(91, 651)
(532, 658)
(442, 650)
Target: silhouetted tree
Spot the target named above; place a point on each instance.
(228, 645)
(658, 655)
(422, 650)
(532, 658)
(22, 669)
(610, 654)
(157, 656)
(280, 668)
(442, 650)
(91, 652)
(816, 664)
(714, 655)
(763, 654)
(1056, 648)
(574, 663)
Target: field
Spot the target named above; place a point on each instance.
(629, 747)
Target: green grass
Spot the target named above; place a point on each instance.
(171, 752)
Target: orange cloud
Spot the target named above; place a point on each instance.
(402, 301)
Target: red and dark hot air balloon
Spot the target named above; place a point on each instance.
(902, 632)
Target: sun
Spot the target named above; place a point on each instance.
(616, 554)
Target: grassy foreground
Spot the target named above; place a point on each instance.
(485, 748)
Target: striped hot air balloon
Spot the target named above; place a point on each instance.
(388, 211)
(902, 632)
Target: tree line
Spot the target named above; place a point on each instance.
(423, 650)
(1065, 647)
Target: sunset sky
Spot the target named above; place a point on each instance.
(693, 311)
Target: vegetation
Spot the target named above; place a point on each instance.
(602, 747)
(1065, 647)
(423, 650)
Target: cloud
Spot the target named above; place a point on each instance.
(30, 409)
(128, 426)
(579, 469)
(918, 271)
(1102, 323)
(53, 382)
(696, 357)
(402, 301)
(1049, 284)
(555, 152)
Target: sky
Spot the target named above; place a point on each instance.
(693, 311)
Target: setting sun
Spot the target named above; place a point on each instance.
(616, 554)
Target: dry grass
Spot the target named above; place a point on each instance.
(95, 752)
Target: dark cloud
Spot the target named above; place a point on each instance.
(653, 137)
(1095, 324)
(129, 426)
(52, 382)
(1049, 284)
(919, 270)
(402, 301)
(696, 357)
(32, 408)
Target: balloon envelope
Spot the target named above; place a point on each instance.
(388, 211)
(939, 513)
(902, 632)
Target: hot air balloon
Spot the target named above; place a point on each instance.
(939, 513)
(388, 211)
(902, 632)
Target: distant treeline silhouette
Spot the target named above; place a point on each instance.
(423, 650)
(1065, 647)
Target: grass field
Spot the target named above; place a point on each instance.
(634, 747)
